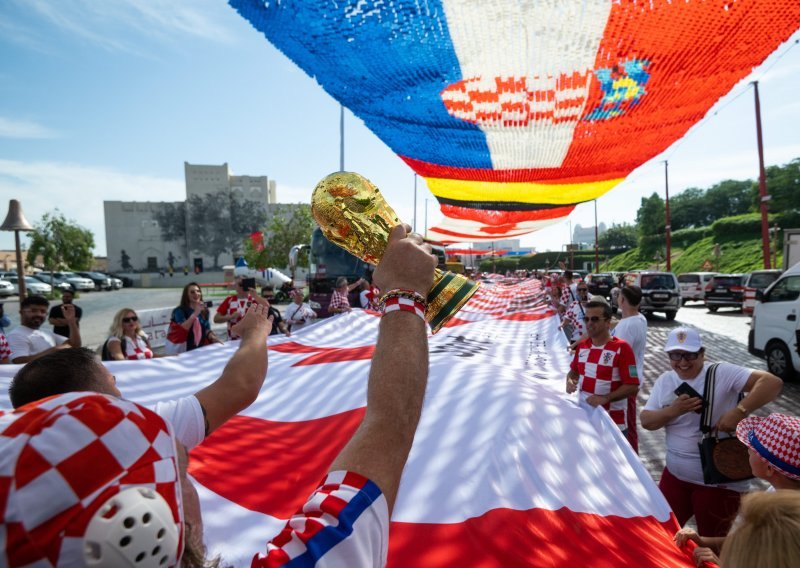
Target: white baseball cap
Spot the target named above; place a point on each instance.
(683, 339)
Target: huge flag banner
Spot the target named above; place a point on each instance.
(505, 469)
(514, 112)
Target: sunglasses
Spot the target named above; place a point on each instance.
(130, 319)
(675, 356)
(595, 319)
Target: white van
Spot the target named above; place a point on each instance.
(776, 325)
(693, 285)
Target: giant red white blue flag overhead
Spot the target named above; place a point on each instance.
(514, 112)
(506, 470)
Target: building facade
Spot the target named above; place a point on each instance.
(203, 232)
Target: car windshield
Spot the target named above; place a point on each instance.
(726, 281)
(689, 278)
(653, 281)
(762, 280)
(602, 279)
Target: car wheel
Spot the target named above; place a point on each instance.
(713, 309)
(671, 316)
(779, 360)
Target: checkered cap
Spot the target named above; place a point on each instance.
(62, 457)
(776, 438)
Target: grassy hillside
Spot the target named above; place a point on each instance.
(738, 255)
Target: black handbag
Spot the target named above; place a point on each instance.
(724, 460)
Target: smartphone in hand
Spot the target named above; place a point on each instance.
(686, 388)
(248, 283)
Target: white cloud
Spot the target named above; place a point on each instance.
(10, 128)
(78, 191)
(108, 24)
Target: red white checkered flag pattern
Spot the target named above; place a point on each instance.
(776, 438)
(46, 498)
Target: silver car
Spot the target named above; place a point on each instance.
(77, 281)
(6, 288)
(32, 285)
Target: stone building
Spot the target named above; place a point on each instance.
(199, 233)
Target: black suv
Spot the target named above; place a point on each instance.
(725, 291)
(600, 284)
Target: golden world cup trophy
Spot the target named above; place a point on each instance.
(353, 214)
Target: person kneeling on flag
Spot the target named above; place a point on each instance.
(127, 509)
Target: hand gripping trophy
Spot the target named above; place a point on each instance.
(353, 214)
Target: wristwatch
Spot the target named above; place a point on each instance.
(742, 409)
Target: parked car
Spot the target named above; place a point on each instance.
(775, 329)
(724, 291)
(101, 281)
(78, 283)
(600, 284)
(660, 292)
(761, 279)
(55, 283)
(32, 285)
(116, 283)
(127, 282)
(6, 288)
(693, 285)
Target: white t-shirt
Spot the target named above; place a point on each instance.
(296, 312)
(683, 433)
(25, 341)
(186, 416)
(633, 330)
(363, 300)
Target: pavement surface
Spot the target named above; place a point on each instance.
(724, 334)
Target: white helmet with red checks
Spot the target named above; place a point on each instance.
(88, 480)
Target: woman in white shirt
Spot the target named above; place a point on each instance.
(127, 340)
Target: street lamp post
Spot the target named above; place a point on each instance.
(16, 221)
(596, 250)
(668, 228)
(762, 183)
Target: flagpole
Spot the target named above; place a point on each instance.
(415, 202)
(341, 138)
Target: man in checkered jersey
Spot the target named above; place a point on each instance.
(127, 508)
(604, 367)
(233, 308)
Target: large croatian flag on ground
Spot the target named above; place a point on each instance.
(506, 469)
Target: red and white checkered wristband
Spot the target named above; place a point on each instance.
(412, 295)
(394, 303)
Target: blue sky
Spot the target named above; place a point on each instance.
(106, 100)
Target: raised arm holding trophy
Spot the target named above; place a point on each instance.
(353, 214)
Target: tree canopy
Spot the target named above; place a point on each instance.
(290, 225)
(62, 243)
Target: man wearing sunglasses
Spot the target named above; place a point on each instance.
(713, 506)
(573, 323)
(603, 368)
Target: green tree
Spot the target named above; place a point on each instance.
(783, 185)
(61, 243)
(290, 225)
(687, 209)
(618, 237)
(728, 198)
(650, 216)
(171, 218)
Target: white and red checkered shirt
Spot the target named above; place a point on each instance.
(603, 369)
(234, 305)
(5, 350)
(575, 315)
(339, 301)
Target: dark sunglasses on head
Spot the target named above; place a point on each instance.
(675, 356)
(595, 318)
(130, 319)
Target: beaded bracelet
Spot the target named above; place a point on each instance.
(402, 303)
(402, 293)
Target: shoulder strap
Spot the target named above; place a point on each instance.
(708, 395)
